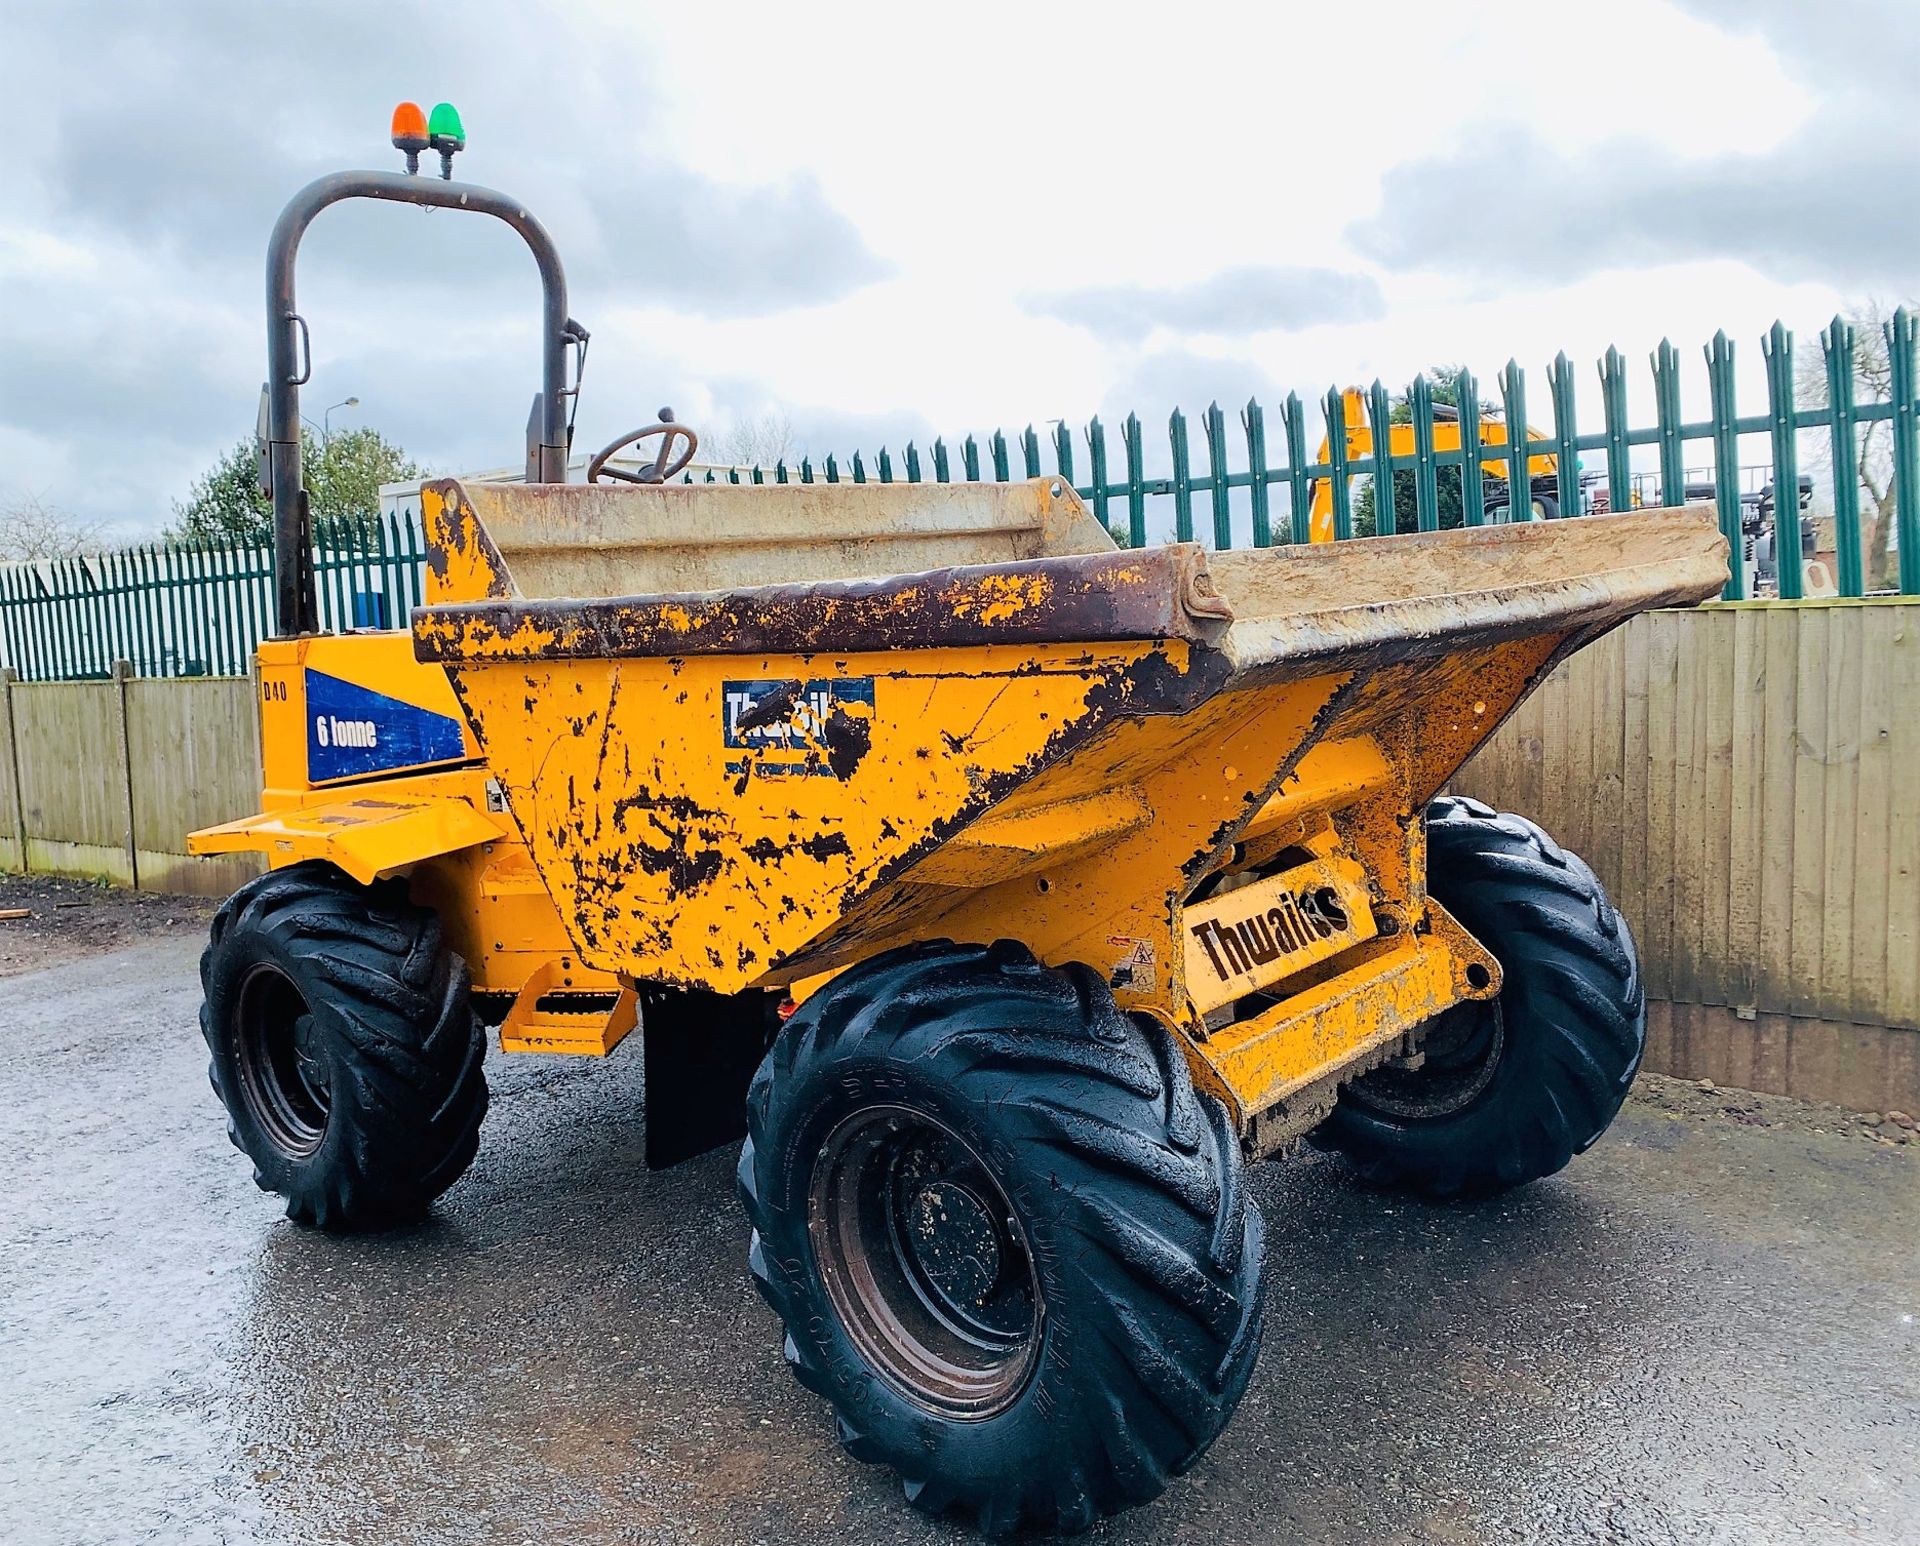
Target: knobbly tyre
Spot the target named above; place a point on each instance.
(1009, 893)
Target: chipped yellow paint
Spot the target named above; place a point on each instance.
(435, 827)
(465, 566)
(999, 597)
(1386, 991)
(674, 856)
(633, 805)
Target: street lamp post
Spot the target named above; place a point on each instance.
(326, 419)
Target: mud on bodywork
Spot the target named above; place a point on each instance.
(698, 827)
(1160, 593)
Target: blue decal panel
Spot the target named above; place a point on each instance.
(796, 729)
(353, 731)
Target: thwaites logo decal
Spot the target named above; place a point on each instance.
(353, 731)
(1240, 941)
(797, 729)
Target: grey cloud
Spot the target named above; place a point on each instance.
(1844, 45)
(141, 154)
(1158, 383)
(1832, 203)
(1824, 209)
(729, 250)
(1233, 301)
(161, 141)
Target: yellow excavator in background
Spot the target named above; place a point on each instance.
(1543, 471)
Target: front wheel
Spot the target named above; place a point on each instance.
(1509, 1089)
(343, 1045)
(1007, 1239)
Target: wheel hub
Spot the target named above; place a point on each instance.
(955, 1243)
(924, 1261)
(283, 1077)
(1462, 1052)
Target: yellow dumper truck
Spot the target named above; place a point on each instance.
(1010, 893)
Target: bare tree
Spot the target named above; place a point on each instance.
(752, 440)
(32, 530)
(1873, 382)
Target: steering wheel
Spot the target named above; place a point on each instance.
(665, 463)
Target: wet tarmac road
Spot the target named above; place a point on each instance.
(1702, 1331)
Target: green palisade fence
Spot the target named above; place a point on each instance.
(1228, 487)
(195, 608)
(188, 609)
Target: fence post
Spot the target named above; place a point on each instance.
(1255, 425)
(1613, 407)
(1777, 346)
(1426, 482)
(1565, 432)
(1726, 464)
(1182, 479)
(1097, 459)
(1836, 342)
(122, 674)
(1336, 410)
(1666, 405)
(1136, 482)
(8, 677)
(1906, 453)
(1216, 428)
(1293, 422)
(1380, 429)
(1473, 488)
(1513, 397)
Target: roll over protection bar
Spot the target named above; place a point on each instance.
(290, 363)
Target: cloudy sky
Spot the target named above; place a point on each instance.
(887, 220)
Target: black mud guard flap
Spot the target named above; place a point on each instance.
(701, 1052)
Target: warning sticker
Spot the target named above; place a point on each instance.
(1136, 969)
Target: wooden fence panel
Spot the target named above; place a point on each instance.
(1902, 819)
(73, 778)
(1746, 750)
(1766, 843)
(1872, 815)
(193, 746)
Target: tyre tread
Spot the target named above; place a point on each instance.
(1565, 948)
(1145, 1171)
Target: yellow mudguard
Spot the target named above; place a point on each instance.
(366, 836)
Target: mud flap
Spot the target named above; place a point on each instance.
(701, 1053)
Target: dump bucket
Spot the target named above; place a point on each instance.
(753, 784)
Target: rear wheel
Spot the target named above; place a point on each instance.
(1007, 1239)
(1509, 1089)
(343, 1045)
